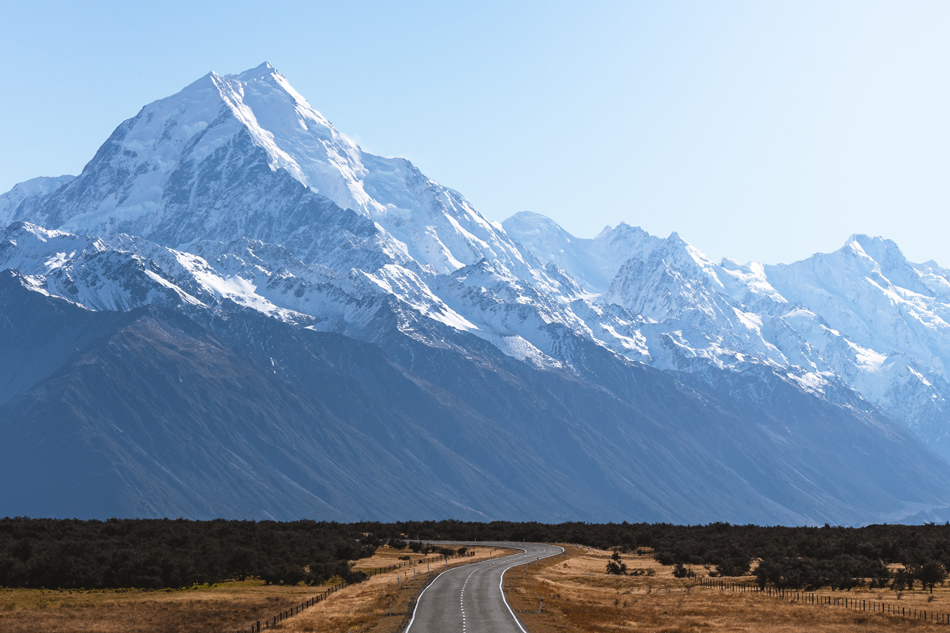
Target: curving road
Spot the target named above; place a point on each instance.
(469, 599)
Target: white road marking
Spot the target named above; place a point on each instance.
(501, 588)
(416, 608)
(489, 564)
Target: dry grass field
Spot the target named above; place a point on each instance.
(221, 608)
(217, 609)
(579, 596)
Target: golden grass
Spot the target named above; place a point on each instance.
(218, 609)
(579, 596)
(386, 556)
(223, 608)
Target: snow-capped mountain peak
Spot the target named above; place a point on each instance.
(151, 178)
(862, 314)
(296, 137)
(593, 262)
(437, 225)
(233, 221)
(246, 157)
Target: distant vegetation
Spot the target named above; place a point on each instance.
(160, 553)
(897, 556)
(176, 553)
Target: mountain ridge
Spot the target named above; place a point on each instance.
(897, 363)
(232, 216)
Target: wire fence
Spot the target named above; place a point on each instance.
(273, 621)
(818, 599)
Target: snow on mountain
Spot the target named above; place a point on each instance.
(593, 262)
(26, 193)
(237, 189)
(862, 315)
(233, 166)
(235, 204)
(146, 179)
(246, 157)
(97, 275)
(894, 316)
(870, 291)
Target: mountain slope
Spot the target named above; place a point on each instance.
(235, 311)
(250, 417)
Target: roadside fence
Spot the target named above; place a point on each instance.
(818, 599)
(269, 623)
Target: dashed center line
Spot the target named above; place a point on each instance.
(462, 598)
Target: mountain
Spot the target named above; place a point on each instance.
(235, 311)
(592, 262)
(169, 174)
(27, 193)
(863, 316)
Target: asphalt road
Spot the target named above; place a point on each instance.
(469, 599)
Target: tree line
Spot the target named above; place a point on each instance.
(153, 554)
(896, 556)
(157, 553)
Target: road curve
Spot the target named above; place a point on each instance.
(469, 598)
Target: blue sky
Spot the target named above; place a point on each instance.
(757, 130)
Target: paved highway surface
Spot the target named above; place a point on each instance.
(469, 599)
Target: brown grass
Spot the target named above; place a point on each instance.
(217, 609)
(223, 608)
(386, 556)
(579, 596)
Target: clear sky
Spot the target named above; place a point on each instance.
(757, 130)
